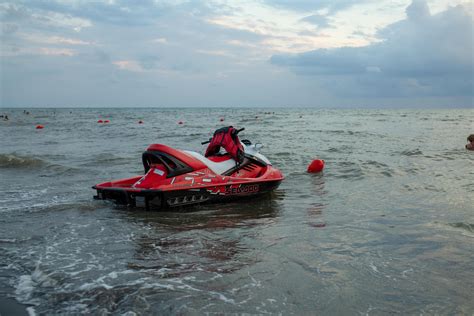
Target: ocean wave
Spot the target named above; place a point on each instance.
(378, 168)
(349, 170)
(106, 159)
(17, 161)
(465, 226)
(414, 152)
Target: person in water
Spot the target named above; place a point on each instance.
(470, 145)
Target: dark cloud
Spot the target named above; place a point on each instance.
(423, 55)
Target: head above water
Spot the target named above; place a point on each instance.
(470, 145)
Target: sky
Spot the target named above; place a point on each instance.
(220, 53)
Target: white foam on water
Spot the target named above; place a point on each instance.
(406, 272)
(373, 267)
(43, 279)
(31, 202)
(25, 287)
(31, 311)
(87, 269)
(159, 285)
(95, 285)
(223, 298)
(76, 308)
(8, 240)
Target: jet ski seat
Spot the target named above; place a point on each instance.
(216, 167)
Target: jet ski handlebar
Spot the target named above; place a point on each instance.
(236, 132)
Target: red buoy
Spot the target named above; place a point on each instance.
(140, 122)
(180, 122)
(222, 119)
(106, 121)
(317, 165)
(100, 121)
(39, 126)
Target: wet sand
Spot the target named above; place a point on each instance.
(9, 306)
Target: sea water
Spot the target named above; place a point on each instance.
(387, 227)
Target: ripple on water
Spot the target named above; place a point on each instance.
(19, 161)
(464, 226)
(412, 152)
(348, 170)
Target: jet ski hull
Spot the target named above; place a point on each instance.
(155, 199)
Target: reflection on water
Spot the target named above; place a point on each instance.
(246, 212)
(211, 236)
(315, 211)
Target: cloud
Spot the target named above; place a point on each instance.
(218, 53)
(96, 52)
(311, 5)
(417, 10)
(57, 51)
(113, 12)
(422, 55)
(16, 13)
(130, 65)
(160, 40)
(283, 28)
(321, 21)
(53, 40)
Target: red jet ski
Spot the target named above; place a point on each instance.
(179, 177)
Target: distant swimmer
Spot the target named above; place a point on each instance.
(470, 145)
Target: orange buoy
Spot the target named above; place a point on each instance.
(317, 165)
(100, 121)
(106, 121)
(39, 126)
